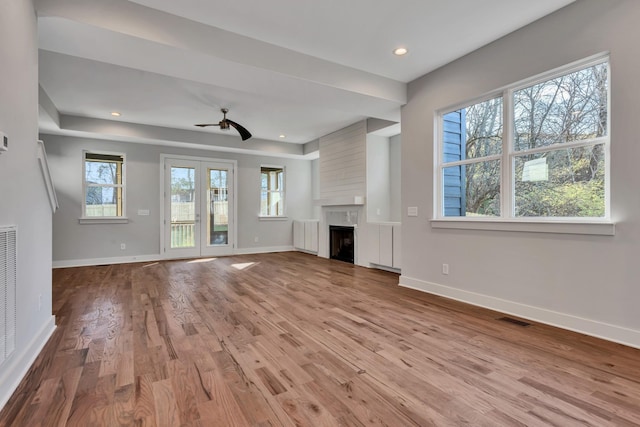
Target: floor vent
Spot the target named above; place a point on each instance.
(515, 321)
(7, 292)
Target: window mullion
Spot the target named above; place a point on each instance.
(438, 188)
(472, 161)
(564, 146)
(506, 183)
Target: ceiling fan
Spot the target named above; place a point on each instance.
(225, 123)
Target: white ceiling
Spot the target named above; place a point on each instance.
(302, 68)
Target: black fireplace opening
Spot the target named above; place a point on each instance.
(341, 244)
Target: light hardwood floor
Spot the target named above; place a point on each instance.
(291, 339)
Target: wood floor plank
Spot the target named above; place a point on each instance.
(290, 339)
(145, 406)
(165, 403)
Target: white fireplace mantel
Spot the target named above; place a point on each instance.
(341, 201)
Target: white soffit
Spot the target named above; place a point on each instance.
(301, 68)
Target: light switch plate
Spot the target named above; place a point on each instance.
(412, 211)
(143, 212)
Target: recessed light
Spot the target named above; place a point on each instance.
(400, 51)
(115, 114)
(283, 135)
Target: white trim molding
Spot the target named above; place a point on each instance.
(264, 250)
(46, 176)
(106, 261)
(597, 228)
(18, 365)
(158, 257)
(614, 333)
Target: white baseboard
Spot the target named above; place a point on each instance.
(263, 250)
(18, 364)
(384, 267)
(305, 251)
(103, 261)
(618, 334)
(156, 257)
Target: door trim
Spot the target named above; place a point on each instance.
(233, 165)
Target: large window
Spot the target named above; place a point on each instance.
(103, 185)
(534, 150)
(272, 191)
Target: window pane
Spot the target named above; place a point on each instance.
(264, 205)
(101, 201)
(473, 132)
(568, 108)
(102, 172)
(271, 194)
(472, 190)
(275, 203)
(183, 218)
(561, 183)
(103, 183)
(218, 212)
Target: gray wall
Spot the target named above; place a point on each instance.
(583, 282)
(378, 182)
(383, 178)
(23, 198)
(74, 243)
(315, 188)
(395, 178)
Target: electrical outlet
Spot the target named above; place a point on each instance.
(445, 268)
(123, 246)
(39, 302)
(256, 239)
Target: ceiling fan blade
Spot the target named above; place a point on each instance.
(244, 134)
(202, 125)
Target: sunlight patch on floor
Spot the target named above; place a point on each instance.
(150, 265)
(243, 265)
(199, 260)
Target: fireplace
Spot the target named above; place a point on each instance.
(341, 243)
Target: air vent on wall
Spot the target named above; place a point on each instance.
(7, 292)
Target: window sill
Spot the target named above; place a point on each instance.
(273, 218)
(103, 220)
(598, 228)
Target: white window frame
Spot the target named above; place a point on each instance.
(507, 221)
(103, 219)
(282, 191)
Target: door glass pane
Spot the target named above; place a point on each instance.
(183, 213)
(218, 208)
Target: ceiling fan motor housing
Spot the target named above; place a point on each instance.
(225, 124)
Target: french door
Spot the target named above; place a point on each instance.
(199, 214)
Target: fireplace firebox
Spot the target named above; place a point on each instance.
(341, 243)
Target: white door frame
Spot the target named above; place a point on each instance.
(233, 167)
